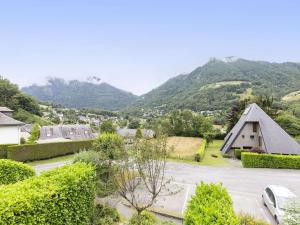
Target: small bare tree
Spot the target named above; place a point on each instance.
(140, 176)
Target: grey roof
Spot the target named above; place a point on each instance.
(130, 133)
(276, 140)
(71, 132)
(8, 121)
(5, 109)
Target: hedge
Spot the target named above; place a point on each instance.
(3, 150)
(201, 152)
(31, 152)
(211, 204)
(238, 153)
(12, 172)
(255, 160)
(64, 195)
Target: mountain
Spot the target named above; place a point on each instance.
(218, 83)
(78, 94)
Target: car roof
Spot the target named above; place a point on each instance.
(281, 191)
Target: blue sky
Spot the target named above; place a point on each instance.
(137, 45)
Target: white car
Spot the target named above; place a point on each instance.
(277, 199)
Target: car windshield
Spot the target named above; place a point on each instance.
(287, 202)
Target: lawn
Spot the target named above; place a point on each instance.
(183, 147)
(53, 160)
(214, 149)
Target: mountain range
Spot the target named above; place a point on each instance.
(213, 86)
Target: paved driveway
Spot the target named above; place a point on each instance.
(244, 185)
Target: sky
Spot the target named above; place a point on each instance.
(137, 45)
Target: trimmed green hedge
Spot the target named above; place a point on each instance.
(64, 195)
(238, 153)
(211, 204)
(12, 172)
(201, 152)
(3, 151)
(255, 160)
(31, 152)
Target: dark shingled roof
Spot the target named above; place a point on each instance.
(8, 121)
(275, 138)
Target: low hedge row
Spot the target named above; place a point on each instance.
(255, 160)
(12, 172)
(238, 153)
(3, 151)
(61, 196)
(211, 204)
(30, 152)
(201, 152)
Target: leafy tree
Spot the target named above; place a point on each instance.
(138, 133)
(35, 133)
(107, 127)
(289, 123)
(134, 124)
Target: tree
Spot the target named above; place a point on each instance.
(289, 123)
(138, 133)
(140, 176)
(134, 124)
(107, 127)
(35, 133)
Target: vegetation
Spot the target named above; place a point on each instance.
(3, 151)
(255, 160)
(138, 133)
(105, 215)
(246, 219)
(289, 123)
(78, 94)
(107, 127)
(213, 156)
(64, 195)
(211, 204)
(238, 153)
(145, 218)
(12, 172)
(31, 152)
(200, 155)
(35, 133)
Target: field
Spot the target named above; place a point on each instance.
(213, 156)
(183, 147)
(293, 96)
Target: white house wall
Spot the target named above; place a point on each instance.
(9, 135)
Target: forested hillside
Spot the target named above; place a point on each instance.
(26, 107)
(77, 94)
(217, 84)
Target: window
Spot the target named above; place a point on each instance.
(252, 137)
(271, 196)
(243, 136)
(259, 141)
(254, 127)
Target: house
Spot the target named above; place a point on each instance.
(256, 129)
(26, 131)
(60, 133)
(6, 111)
(130, 133)
(9, 130)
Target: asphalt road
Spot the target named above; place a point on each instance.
(244, 185)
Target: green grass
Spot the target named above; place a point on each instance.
(53, 160)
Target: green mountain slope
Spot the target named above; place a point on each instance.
(77, 94)
(218, 83)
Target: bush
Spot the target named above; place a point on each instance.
(105, 215)
(238, 153)
(3, 151)
(211, 204)
(200, 155)
(145, 218)
(64, 195)
(104, 183)
(246, 219)
(255, 160)
(12, 172)
(31, 152)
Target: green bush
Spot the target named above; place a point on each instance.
(105, 215)
(12, 172)
(246, 219)
(200, 155)
(64, 195)
(3, 151)
(31, 152)
(238, 153)
(211, 204)
(145, 218)
(255, 160)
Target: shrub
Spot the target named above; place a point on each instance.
(105, 215)
(200, 155)
(246, 219)
(104, 183)
(238, 153)
(3, 151)
(211, 204)
(30, 152)
(12, 172)
(64, 195)
(255, 160)
(145, 218)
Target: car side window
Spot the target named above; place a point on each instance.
(271, 196)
